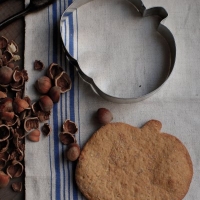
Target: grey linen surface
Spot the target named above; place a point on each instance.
(176, 105)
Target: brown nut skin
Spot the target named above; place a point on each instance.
(104, 116)
(4, 179)
(54, 94)
(43, 84)
(73, 151)
(45, 103)
(20, 105)
(6, 105)
(34, 135)
(5, 75)
(2, 95)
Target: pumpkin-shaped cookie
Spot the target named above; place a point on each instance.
(128, 163)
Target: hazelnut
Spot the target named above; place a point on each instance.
(104, 116)
(20, 105)
(43, 84)
(5, 75)
(73, 152)
(4, 179)
(45, 103)
(34, 135)
(54, 94)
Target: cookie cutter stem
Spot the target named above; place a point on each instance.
(163, 30)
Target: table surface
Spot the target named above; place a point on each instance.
(14, 31)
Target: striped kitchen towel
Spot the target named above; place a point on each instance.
(49, 176)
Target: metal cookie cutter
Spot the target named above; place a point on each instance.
(164, 32)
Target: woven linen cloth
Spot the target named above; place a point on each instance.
(49, 176)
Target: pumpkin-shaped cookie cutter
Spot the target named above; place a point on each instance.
(162, 30)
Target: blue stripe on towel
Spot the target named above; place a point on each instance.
(50, 164)
(55, 111)
(72, 110)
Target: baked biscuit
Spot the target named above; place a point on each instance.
(122, 162)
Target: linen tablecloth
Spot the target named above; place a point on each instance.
(49, 176)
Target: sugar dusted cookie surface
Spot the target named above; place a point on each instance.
(122, 162)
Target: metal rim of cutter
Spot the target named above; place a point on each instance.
(163, 30)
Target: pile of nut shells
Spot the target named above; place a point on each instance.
(12, 109)
(19, 116)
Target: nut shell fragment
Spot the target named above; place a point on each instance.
(12, 47)
(17, 154)
(15, 122)
(17, 186)
(4, 132)
(63, 81)
(70, 127)
(6, 105)
(46, 129)
(38, 65)
(4, 146)
(3, 42)
(31, 123)
(20, 105)
(54, 70)
(66, 138)
(15, 169)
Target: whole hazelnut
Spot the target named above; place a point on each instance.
(34, 135)
(20, 105)
(45, 103)
(54, 94)
(73, 152)
(43, 84)
(4, 179)
(5, 75)
(104, 116)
